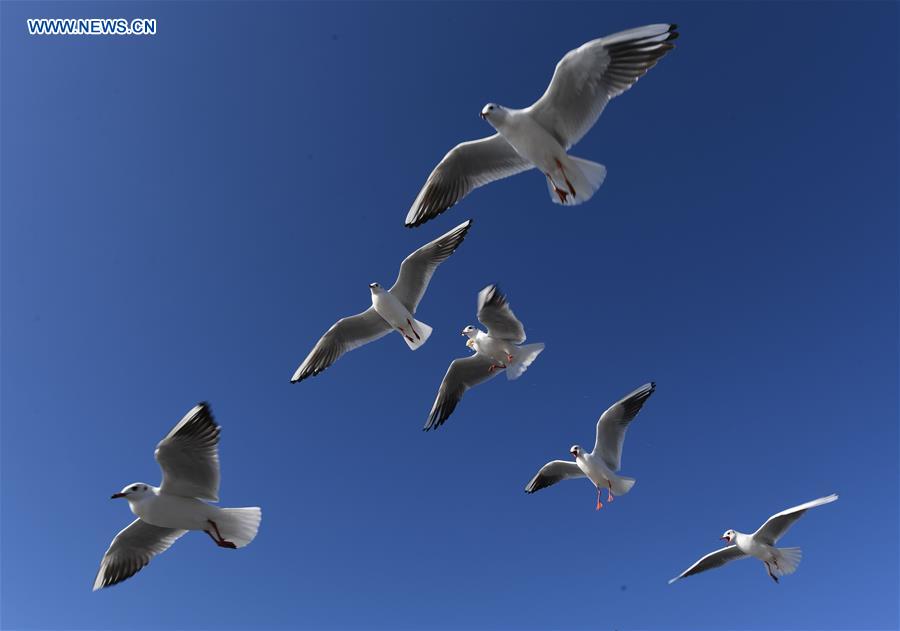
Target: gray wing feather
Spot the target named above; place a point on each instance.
(417, 268)
(553, 472)
(712, 560)
(132, 549)
(495, 313)
(587, 78)
(614, 423)
(777, 525)
(189, 456)
(464, 373)
(343, 336)
(465, 167)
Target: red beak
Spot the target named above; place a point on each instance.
(116, 496)
(725, 539)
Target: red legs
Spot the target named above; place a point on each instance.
(413, 329)
(565, 177)
(509, 358)
(496, 367)
(599, 504)
(403, 331)
(559, 192)
(221, 542)
(609, 497)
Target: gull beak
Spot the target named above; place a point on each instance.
(483, 116)
(116, 496)
(725, 539)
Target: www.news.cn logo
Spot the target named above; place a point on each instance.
(91, 26)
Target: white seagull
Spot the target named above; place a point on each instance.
(760, 544)
(540, 135)
(391, 310)
(600, 465)
(189, 459)
(495, 351)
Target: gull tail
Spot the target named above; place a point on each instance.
(788, 559)
(415, 341)
(584, 176)
(522, 360)
(621, 485)
(239, 525)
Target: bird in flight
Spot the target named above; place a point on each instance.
(496, 351)
(392, 309)
(760, 544)
(601, 464)
(189, 459)
(540, 135)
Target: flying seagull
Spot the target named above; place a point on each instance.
(391, 310)
(495, 351)
(540, 135)
(600, 465)
(189, 459)
(761, 544)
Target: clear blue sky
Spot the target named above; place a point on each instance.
(183, 215)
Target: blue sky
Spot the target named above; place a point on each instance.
(183, 215)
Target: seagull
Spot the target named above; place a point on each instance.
(391, 310)
(189, 459)
(495, 351)
(540, 135)
(761, 544)
(600, 465)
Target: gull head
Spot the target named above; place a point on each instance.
(575, 450)
(493, 114)
(133, 492)
(375, 288)
(470, 332)
(728, 536)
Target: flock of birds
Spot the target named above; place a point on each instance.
(539, 136)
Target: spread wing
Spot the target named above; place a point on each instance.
(464, 373)
(131, 550)
(189, 456)
(778, 524)
(614, 423)
(587, 78)
(553, 472)
(343, 336)
(417, 268)
(465, 167)
(712, 560)
(495, 313)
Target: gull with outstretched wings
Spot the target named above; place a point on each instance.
(391, 310)
(601, 464)
(540, 135)
(760, 544)
(189, 459)
(497, 350)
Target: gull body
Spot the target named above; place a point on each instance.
(526, 135)
(169, 511)
(399, 317)
(760, 544)
(497, 350)
(595, 470)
